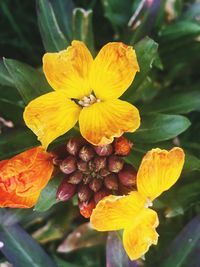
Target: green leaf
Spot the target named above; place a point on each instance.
(176, 104)
(5, 78)
(146, 51)
(159, 127)
(30, 82)
(192, 163)
(52, 37)
(48, 195)
(82, 27)
(184, 250)
(19, 247)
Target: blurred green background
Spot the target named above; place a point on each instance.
(166, 36)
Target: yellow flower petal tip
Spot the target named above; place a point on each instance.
(159, 170)
(87, 87)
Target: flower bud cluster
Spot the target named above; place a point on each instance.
(93, 172)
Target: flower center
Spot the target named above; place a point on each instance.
(148, 203)
(87, 101)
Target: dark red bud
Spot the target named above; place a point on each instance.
(111, 182)
(75, 177)
(101, 194)
(82, 165)
(86, 153)
(104, 150)
(122, 146)
(74, 144)
(56, 161)
(84, 193)
(86, 208)
(87, 178)
(100, 163)
(104, 172)
(65, 191)
(127, 175)
(95, 184)
(115, 164)
(68, 165)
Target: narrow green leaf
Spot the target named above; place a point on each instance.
(52, 37)
(19, 247)
(82, 27)
(159, 127)
(30, 82)
(5, 78)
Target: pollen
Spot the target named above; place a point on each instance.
(87, 101)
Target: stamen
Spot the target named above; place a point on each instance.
(86, 101)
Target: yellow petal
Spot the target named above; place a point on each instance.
(113, 70)
(141, 233)
(159, 170)
(101, 122)
(116, 212)
(69, 70)
(50, 116)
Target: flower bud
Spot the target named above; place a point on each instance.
(100, 163)
(115, 164)
(87, 178)
(74, 144)
(86, 208)
(82, 165)
(104, 172)
(68, 165)
(95, 184)
(122, 146)
(104, 150)
(65, 191)
(127, 176)
(111, 182)
(56, 161)
(84, 193)
(75, 177)
(101, 194)
(86, 153)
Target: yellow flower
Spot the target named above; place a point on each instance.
(159, 170)
(87, 90)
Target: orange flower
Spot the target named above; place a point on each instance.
(23, 177)
(86, 90)
(159, 170)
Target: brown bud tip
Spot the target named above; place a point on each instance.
(68, 165)
(86, 208)
(87, 178)
(56, 161)
(111, 182)
(82, 165)
(86, 153)
(74, 144)
(95, 184)
(104, 150)
(100, 163)
(104, 172)
(122, 146)
(127, 175)
(115, 164)
(75, 177)
(84, 193)
(101, 194)
(65, 191)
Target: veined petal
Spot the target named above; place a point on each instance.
(159, 170)
(23, 177)
(50, 116)
(141, 233)
(69, 70)
(101, 122)
(116, 212)
(113, 70)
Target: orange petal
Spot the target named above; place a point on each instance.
(69, 70)
(113, 70)
(141, 233)
(116, 212)
(101, 122)
(50, 116)
(23, 177)
(159, 170)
